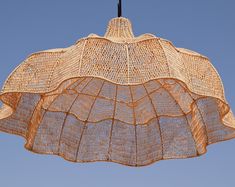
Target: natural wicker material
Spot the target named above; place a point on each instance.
(120, 98)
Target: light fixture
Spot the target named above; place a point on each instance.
(119, 98)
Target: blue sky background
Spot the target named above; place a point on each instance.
(206, 26)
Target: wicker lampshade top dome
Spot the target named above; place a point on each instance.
(118, 98)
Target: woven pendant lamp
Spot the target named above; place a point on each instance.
(118, 98)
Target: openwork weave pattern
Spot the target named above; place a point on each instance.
(118, 98)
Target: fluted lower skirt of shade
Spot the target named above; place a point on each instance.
(91, 119)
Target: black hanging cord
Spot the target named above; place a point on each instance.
(120, 8)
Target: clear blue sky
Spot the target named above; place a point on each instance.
(206, 26)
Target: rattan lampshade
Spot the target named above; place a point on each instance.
(119, 98)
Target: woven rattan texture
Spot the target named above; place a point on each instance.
(120, 98)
